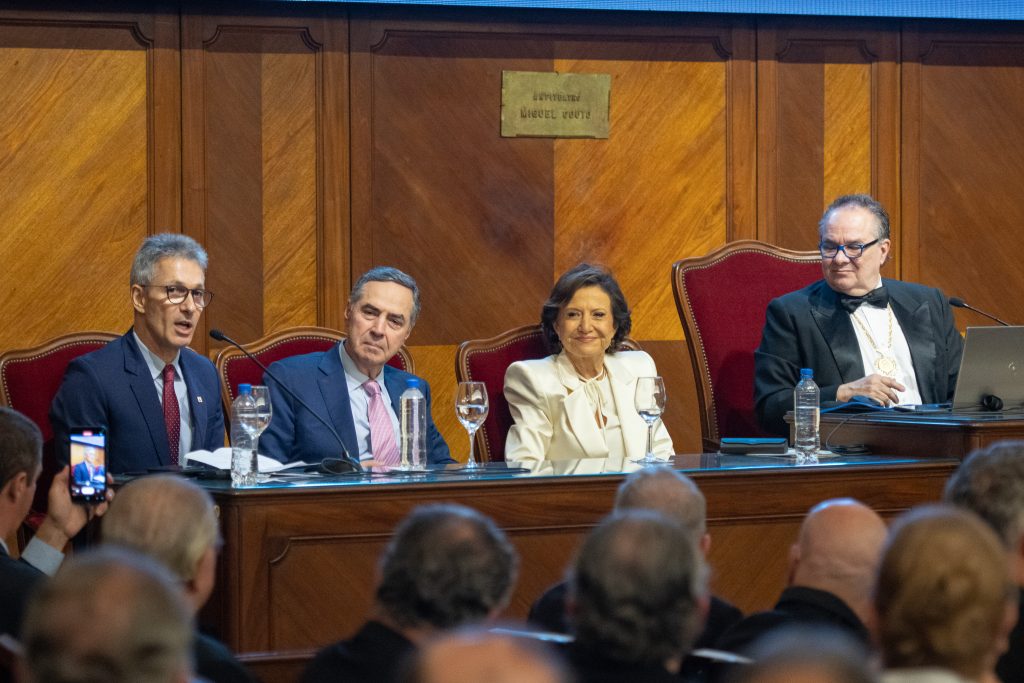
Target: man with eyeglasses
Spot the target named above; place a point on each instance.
(889, 341)
(157, 398)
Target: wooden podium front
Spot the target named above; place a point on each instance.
(298, 564)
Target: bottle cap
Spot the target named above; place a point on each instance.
(413, 383)
(244, 389)
(806, 372)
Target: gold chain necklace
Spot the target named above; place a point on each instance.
(886, 362)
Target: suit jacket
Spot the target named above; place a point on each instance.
(215, 663)
(555, 422)
(112, 387)
(17, 579)
(319, 378)
(375, 654)
(807, 329)
(80, 473)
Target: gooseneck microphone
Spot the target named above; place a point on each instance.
(346, 463)
(957, 302)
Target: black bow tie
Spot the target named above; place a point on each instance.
(876, 297)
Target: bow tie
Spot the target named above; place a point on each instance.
(876, 297)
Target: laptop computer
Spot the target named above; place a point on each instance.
(992, 365)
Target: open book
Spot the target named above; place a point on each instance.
(221, 459)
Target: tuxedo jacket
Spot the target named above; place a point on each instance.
(554, 420)
(808, 329)
(111, 387)
(319, 378)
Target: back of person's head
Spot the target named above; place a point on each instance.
(805, 654)
(108, 616)
(664, 490)
(944, 594)
(638, 588)
(990, 483)
(21, 446)
(166, 517)
(447, 565)
(475, 655)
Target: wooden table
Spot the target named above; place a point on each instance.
(297, 568)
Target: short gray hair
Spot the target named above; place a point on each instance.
(862, 201)
(387, 274)
(990, 483)
(21, 445)
(165, 245)
(664, 490)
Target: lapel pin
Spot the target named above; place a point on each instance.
(199, 399)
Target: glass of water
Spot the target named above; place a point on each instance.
(471, 407)
(649, 401)
(264, 411)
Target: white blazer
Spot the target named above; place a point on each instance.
(555, 422)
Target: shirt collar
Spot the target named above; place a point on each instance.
(154, 362)
(354, 373)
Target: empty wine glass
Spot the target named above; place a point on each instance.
(264, 411)
(649, 400)
(471, 408)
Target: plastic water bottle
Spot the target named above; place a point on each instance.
(244, 425)
(413, 423)
(806, 411)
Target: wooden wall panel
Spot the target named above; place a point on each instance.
(88, 167)
(963, 102)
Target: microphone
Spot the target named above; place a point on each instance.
(960, 303)
(346, 463)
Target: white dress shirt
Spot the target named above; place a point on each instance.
(876, 320)
(156, 370)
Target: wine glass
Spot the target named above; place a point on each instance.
(264, 411)
(471, 408)
(649, 400)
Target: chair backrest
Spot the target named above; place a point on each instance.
(486, 360)
(30, 378)
(235, 368)
(722, 298)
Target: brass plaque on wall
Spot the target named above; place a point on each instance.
(552, 105)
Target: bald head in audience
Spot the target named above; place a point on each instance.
(108, 616)
(479, 656)
(838, 550)
(944, 596)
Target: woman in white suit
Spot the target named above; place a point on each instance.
(579, 402)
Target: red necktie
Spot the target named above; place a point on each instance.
(382, 436)
(172, 416)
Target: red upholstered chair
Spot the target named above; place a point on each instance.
(29, 379)
(486, 360)
(721, 299)
(234, 368)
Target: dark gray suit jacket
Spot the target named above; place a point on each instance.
(807, 329)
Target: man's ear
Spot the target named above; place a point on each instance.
(139, 298)
(15, 487)
(794, 561)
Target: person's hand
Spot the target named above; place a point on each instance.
(64, 518)
(879, 387)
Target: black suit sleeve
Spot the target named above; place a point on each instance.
(954, 347)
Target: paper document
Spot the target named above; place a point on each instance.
(221, 459)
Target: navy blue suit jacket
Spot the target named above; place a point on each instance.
(112, 387)
(319, 378)
(807, 329)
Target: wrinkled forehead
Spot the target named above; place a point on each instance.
(388, 297)
(850, 223)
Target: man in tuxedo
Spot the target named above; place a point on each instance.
(157, 398)
(351, 386)
(21, 456)
(890, 341)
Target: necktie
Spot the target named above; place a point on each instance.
(382, 436)
(172, 416)
(878, 298)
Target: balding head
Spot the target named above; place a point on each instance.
(805, 654)
(838, 551)
(666, 491)
(478, 656)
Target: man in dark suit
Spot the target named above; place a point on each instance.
(21, 455)
(351, 386)
(90, 469)
(157, 398)
(893, 342)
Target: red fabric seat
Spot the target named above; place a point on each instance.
(234, 368)
(29, 379)
(722, 298)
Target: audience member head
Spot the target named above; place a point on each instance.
(475, 655)
(382, 309)
(671, 493)
(944, 596)
(446, 566)
(572, 281)
(638, 589)
(838, 551)
(108, 616)
(21, 454)
(805, 654)
(173, 521)
(990, 483)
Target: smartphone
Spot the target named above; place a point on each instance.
(88, 479)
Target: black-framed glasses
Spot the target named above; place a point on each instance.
(176, 294)
(852, 251)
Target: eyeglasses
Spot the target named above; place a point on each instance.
(852, 251)
(176, 294)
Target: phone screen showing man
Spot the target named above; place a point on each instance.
(88, 480)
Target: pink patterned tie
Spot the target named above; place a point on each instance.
(382, 436)
(172, 416)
